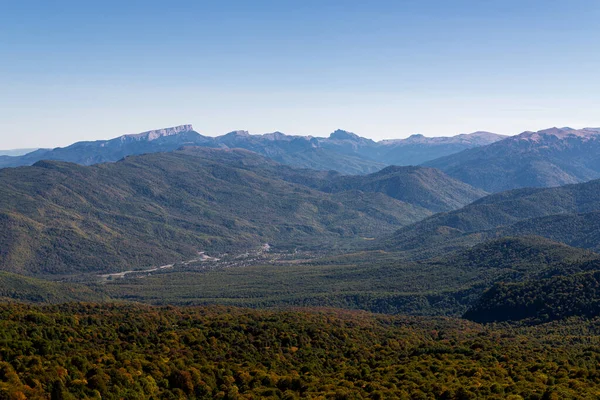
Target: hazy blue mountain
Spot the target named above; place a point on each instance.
(88, 153)
(413, 150)
(299, 151)
(16, 152)
(342, 151)
(550, 157)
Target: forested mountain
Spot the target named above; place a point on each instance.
(211, 262)
(342, 151)
(154, 209)
(524, 257)
(500, 257)
(165, 207)
(550, 157)
(524, 277)
(567, 214)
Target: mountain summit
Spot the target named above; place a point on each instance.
(340, 134)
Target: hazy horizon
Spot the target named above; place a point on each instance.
(78, 71)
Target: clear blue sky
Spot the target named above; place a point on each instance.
(84, 70)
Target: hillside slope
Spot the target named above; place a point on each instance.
(426, 187)
(568, 214)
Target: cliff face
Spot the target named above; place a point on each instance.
(158, 133)
(100, 151)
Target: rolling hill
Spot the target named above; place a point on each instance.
(551, 157)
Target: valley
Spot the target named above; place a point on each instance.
(447, 273)
(204, 226)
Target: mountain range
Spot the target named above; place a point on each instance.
(342, 151)
(491, 162)
(57, 217)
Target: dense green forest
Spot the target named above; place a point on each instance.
(135, 352)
